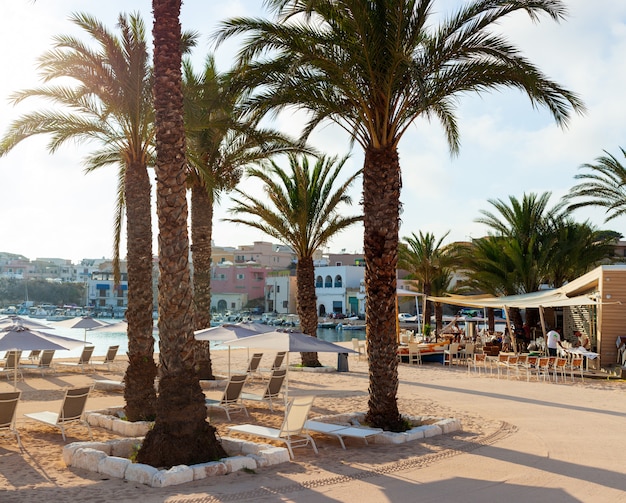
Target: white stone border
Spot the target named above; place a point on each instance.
(112, 458)
(110, 420)
(436, 426)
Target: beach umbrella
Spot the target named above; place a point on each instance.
(24, 322)
(289, 341)
(84, 322)
(119, 327)
(230, 331)
(19, 338)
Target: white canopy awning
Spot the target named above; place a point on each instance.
(548, 298)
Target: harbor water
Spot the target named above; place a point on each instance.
(102, 340)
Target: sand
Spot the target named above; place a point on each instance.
(521, 441)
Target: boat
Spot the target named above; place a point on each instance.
(326, 324)
(430, 352)
(349, 326)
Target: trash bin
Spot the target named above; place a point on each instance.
(342, 362)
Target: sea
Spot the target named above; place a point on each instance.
(102, 340)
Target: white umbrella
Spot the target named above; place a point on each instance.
(18, 338)
(291, 342)
(23, 322)
(84, 322)
(230, 331)
(119, 327)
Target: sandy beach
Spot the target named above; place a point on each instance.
(521, 441)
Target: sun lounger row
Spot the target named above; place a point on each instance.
(42, 361)
(71, 412)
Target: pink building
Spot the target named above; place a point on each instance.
(233, 286)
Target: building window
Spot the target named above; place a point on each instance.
(285, 304)
(241, 276)
(319, 283)
(338, 281)
(328, 282)
(277, 288)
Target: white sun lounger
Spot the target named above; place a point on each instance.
(340, 431)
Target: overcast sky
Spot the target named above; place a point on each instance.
(50, 208)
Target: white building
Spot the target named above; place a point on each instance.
(338, 289)
(280, 292)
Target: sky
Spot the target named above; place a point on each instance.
(50, 208)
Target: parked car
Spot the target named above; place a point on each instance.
(407, 318)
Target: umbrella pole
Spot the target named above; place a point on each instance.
(229, 363)
(286, 393)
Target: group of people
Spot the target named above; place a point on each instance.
(554, 340)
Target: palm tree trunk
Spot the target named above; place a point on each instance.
(438, 317)
(428, 305)
(381, 209)
(307, 305)
(201, 232)
(139, 392)
(181, 434)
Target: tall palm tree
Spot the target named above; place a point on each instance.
(300, 210)
(109, 101)
(603, 185)
(373, 68)
(181, 434)
(427, 261)
(220, 143)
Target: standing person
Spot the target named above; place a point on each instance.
(553, 341)
(583, 339)
(506, 341)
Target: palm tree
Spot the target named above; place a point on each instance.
(301, 210)
(440, 285)
(181, 433)
(525, 224)
(577, 248)
(373, 68)
(427, 262)
(110, 102)
(604, 185)
(220, 143)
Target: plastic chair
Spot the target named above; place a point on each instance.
(292, 432)
(109, 358)
(72, 410)
(230, 400)
(272, 390)
(450, 354)
(12, 364)
(45, 362)
(415, 356)
(8, 407)
(576, 365)
(83, 361)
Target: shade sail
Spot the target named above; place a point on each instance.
(549, 298)
(403, 292)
